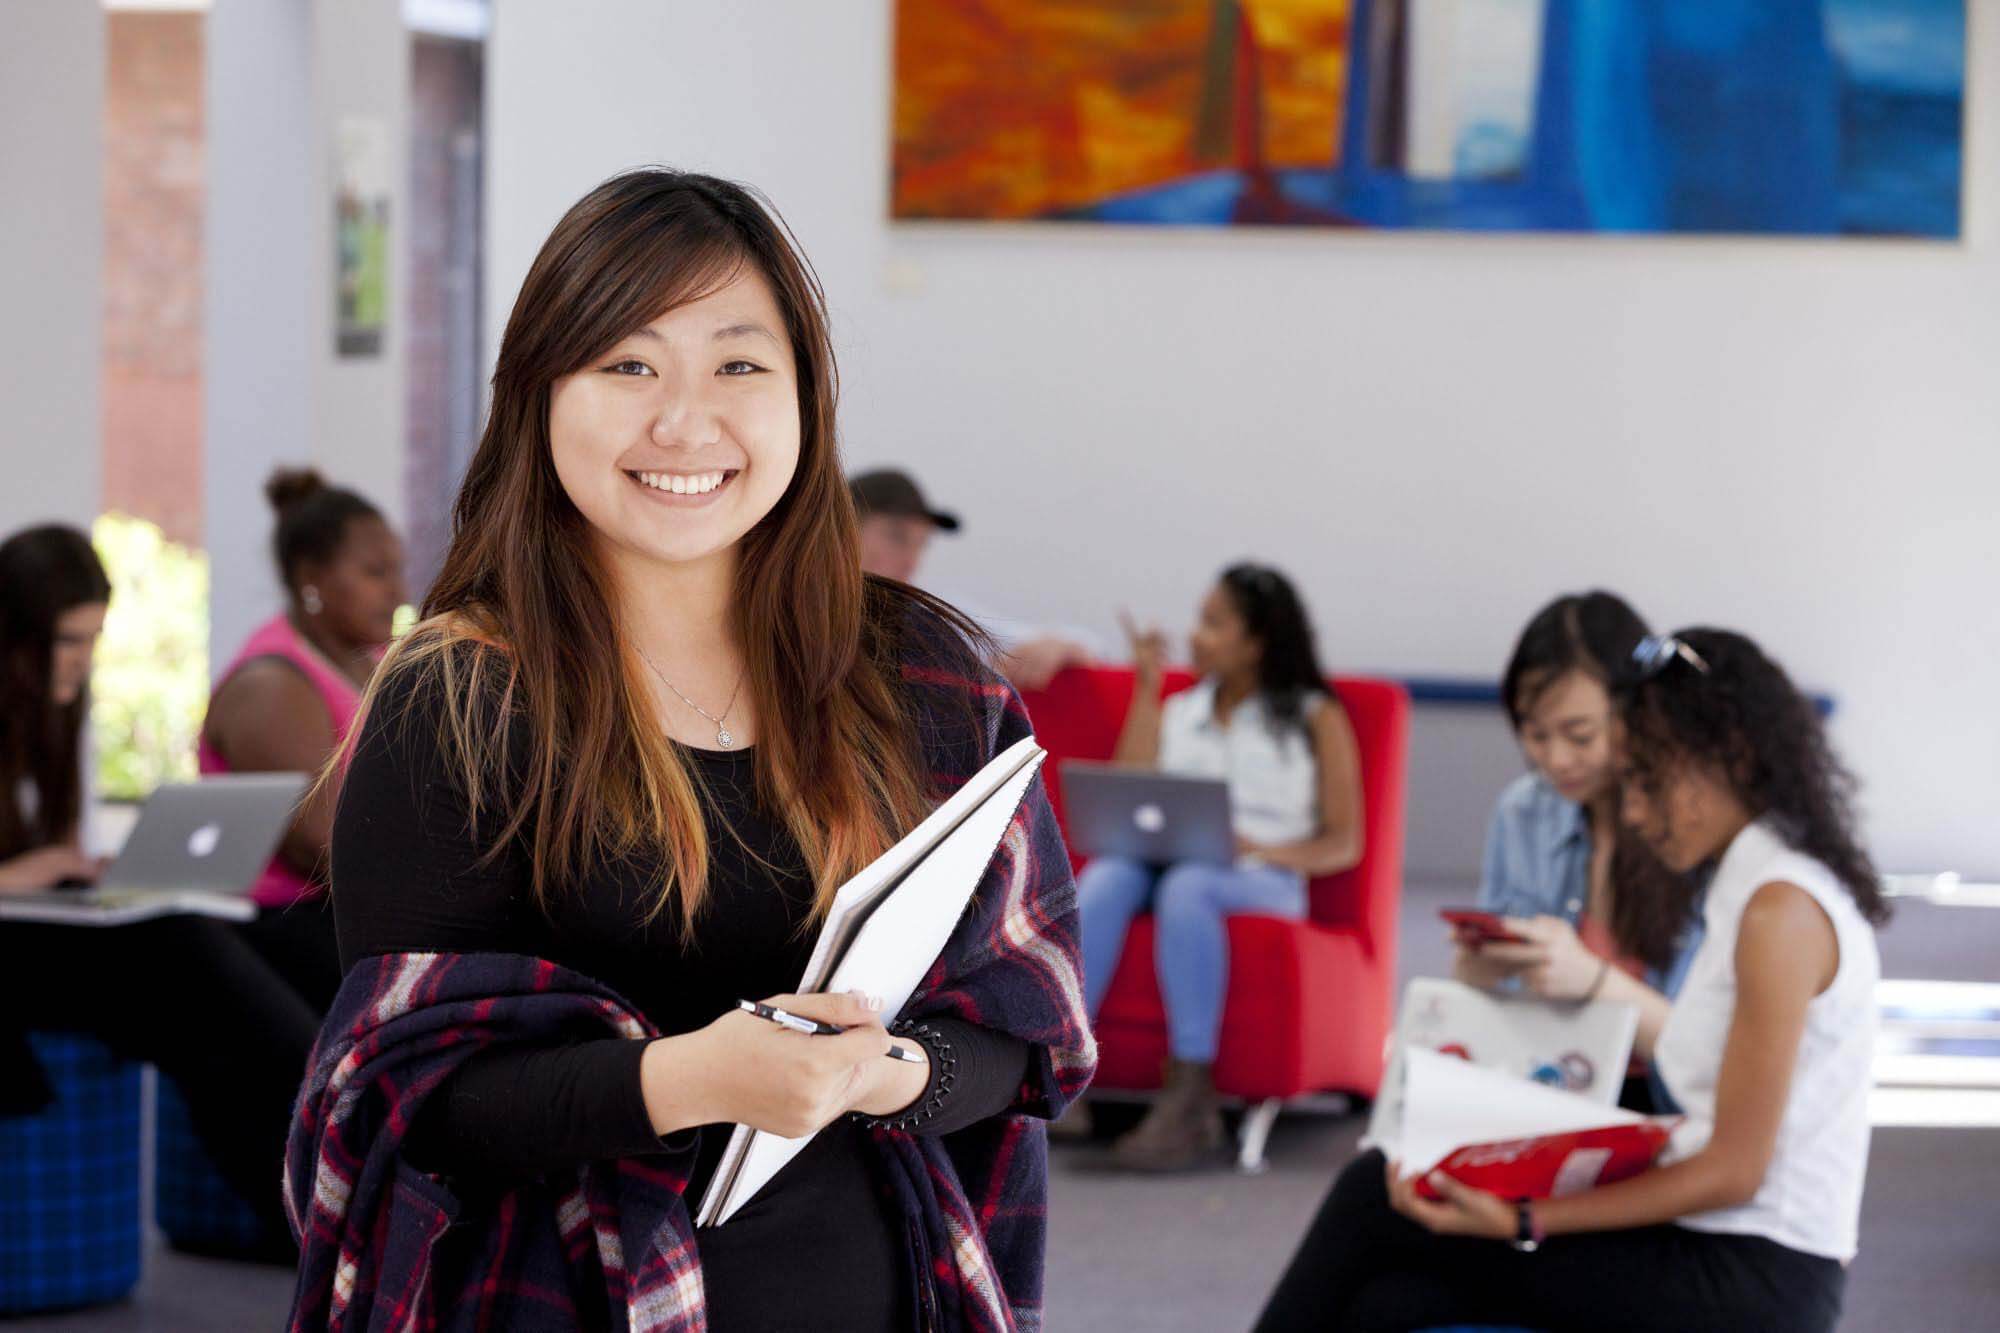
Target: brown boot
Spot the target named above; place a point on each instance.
(1183, 1129)
(1074, 1125)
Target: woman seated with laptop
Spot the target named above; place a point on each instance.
(1263, 719)
(186, 993)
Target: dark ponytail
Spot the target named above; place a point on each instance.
(312, 519)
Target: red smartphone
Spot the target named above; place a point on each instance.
(1481, 927)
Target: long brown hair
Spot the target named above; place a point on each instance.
(522, 612)
(44, 572)
(1595, 633)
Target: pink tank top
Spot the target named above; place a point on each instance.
(280, 885)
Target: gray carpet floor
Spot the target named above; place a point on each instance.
(1198, 1253)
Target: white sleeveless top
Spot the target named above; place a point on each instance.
(1273, 777)
(1811, 1196)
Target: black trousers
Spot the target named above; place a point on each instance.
(298, 942)
(192, 996)
(1364, 1268)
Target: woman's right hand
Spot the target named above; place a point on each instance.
(1474, 968)
(746, 1070)
(46, 867)
(1149, 649)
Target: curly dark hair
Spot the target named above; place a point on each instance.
(1275, 616)
(1744, 714)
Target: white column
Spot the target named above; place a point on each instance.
(51, 260)
(261, 332)
(362, 73)
(282, 77)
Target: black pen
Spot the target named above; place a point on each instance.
(812, 1027)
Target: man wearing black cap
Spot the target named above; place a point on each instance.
(897, 524)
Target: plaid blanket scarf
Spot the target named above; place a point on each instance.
(385, 1246)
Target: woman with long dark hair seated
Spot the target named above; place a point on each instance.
(186, 993)
(1751, 1217)
(653, 718)
(1263, 718)
(1601, 918)
(287, 699)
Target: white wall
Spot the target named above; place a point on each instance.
(51, 257)
(1435, 433)
(281, 74)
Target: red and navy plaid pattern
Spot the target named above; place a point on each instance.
(610, 1248)
(69, 1182)
(386, 1246)
(981, 1195)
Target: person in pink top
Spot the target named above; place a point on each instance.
(288, 697)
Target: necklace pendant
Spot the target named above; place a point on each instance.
(723, 739)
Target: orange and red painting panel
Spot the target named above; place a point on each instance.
(1039, 108)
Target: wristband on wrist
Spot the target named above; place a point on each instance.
(1528, 1233)
(944, 1076)
(1603, 971)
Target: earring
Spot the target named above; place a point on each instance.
(309, 599)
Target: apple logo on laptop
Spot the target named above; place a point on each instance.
(1150, 818)
(202, 841)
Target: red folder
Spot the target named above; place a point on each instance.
(1553, 1165)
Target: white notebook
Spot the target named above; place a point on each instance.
(1452, 1104)
(1580, 1049)
(886, 927)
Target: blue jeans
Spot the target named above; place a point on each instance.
(1191, 905)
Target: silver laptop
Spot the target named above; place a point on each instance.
(198, 847)
(1144, 815)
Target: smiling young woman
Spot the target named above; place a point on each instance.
(653, 718)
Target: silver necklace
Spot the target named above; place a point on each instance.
(723, 740)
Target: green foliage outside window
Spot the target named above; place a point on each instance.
(149, 690)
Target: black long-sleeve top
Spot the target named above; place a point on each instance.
(407, 877)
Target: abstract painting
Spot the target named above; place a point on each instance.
(1811, 117)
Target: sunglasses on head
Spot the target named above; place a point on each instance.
(1656, 651)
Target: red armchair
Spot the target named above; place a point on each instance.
(1309, 1002)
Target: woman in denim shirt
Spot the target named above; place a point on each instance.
(1555, 866)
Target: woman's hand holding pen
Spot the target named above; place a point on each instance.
(744, 1070)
